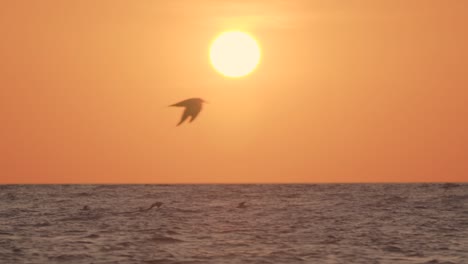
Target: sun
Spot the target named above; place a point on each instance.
(235, 54)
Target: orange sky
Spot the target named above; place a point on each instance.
(345, 92)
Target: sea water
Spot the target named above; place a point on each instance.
(291, 223)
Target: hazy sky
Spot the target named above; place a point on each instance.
(347, 91)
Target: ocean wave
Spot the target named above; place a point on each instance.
(164, 239)
(92, 236)
(9, 197)
(449, 185)
(70, 257)
(436, 261)
(86, 217)
(82, 194)
(42, 224)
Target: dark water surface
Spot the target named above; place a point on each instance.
(324, 223)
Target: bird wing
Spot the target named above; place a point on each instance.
(194, 111)
(185, 115)
(194, 115)
(183, 103)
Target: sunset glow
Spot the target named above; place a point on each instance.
(298, 91)
(235, 54)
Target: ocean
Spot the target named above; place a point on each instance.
(278, 223)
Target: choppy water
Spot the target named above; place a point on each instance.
(326, 223)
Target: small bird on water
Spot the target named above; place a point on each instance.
(242, 205)
(193, 106)
(156, 204)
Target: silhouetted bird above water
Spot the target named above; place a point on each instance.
(193, 106)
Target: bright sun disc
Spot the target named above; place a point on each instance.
(234, 54)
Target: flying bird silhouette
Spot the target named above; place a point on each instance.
(193, 106)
